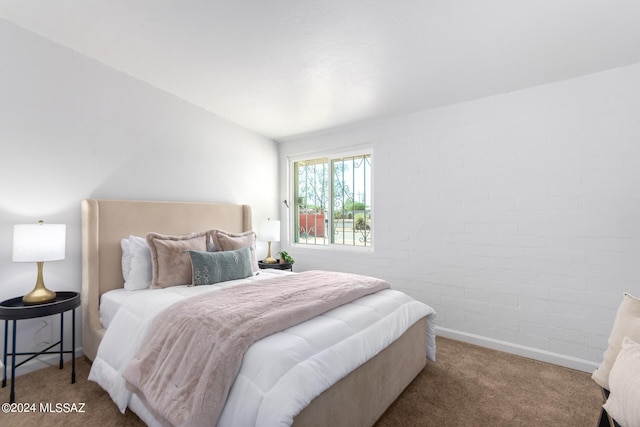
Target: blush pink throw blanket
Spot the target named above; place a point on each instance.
(192, 353)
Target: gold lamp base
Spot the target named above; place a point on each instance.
(269, 259)
(40, 294)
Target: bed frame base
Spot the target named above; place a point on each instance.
(361, 397)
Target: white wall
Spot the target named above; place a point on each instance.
(517, 217)
(72, 128)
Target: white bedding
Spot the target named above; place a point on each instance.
(281, 373)
(111, 302)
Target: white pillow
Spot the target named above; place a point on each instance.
(126, 258)
(141, 273)
(624, 383)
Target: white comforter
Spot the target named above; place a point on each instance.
(281, 373)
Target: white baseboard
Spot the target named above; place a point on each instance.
(40, 362)
(520, 350)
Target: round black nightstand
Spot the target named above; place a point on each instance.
(277, 265)
(13, 310)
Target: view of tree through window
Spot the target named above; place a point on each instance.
(333, 201)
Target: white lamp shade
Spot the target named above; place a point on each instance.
(269, 231)
(39, 242)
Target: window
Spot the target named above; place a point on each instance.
(333, 201)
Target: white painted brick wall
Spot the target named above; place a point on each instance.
(517, 217)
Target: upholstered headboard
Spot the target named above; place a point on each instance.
(106, 222)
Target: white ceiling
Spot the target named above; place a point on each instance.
(289, 67)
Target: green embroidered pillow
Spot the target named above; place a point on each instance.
(213, 267)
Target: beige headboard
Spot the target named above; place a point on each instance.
(106, 222)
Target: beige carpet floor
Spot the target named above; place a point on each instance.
(467, 386)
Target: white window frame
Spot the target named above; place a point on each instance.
(329, 155)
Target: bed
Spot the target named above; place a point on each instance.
(357, 398)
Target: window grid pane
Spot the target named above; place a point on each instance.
(312, 183)
(351, 201)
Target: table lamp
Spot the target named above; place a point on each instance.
(39, 243)
(269, 231)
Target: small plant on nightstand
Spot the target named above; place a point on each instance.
(286, 258)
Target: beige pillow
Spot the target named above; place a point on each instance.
(624, 380)
(170, 261)
(626, 324)
(225, 241)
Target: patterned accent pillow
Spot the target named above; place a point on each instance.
(214, 267)
(170, 257)
(225, 241)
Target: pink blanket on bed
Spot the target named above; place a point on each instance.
(192, 353)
